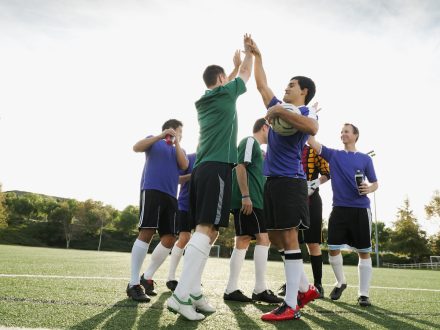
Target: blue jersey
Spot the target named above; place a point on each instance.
(183, 199)
(343, 167)
(161, 171)
(283, 156)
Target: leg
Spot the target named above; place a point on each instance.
(336, 261)
(176, 255)
(365, 269)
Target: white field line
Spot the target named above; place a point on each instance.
(204, 280)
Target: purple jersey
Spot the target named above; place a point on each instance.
(183, 199)
(161, 171)
(283, 156)
(343, 167)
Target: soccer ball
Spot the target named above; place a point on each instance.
(282, 127)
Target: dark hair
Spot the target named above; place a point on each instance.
(355, 130)
(171, 123)
(305, 82)
(211, 74)
(259, 124)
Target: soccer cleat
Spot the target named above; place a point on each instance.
(282, 313)
(172, 285)
(202, 304)
(184, 308)
(282, 290)
(305, 297)
(337, 292)
(236, 295)
(266, 296)
(136, 293)
(148, 286)
(364, 301)
(321, 290)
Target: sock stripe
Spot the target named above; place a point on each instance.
(293, 256)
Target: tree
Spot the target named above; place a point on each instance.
(3, 211)
(407, 237)
(62, 215)
(384, 235)
(128, 220)
(433, 208)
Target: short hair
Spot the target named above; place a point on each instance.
(171, 123)
(355, 130)
(305, 82)
(211, 74)
(259, 125)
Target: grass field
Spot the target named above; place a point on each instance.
(53, 288)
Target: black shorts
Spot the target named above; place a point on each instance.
(285, 203)
(185, 223)
(210, 193)
(350, 226)
(157, 210)
(314, 233)
(249, 225)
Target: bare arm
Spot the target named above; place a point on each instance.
(145, 144)
(315, 144)
(237, 63)
(246, 203)
(184, 178)
(366, 188)
(182, 161)
(260, 75)
(300, 122)
(246, 66)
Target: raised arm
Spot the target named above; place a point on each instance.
(182, 160)
(145, 144)
(246, 66)
(260, 75)
(237, 63)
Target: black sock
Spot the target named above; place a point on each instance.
(316, 268)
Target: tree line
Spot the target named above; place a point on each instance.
(35, 219)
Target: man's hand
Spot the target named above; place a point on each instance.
(246, 205)
(237, 59)
(364, 188)
(273, 112)
(254, 48)
(312, 186)
(247, 42)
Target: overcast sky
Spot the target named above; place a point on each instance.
(82, 81)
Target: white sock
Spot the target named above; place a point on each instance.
(293, 269)
(176, 254)
(235, 264)
(138, 253)
(197, 250)
(336, 262)
(365, 269)
(158, 256)
(303, 282)
(196, 289)
(260, 262)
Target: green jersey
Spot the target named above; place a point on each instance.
(250, 154)
(217, 116)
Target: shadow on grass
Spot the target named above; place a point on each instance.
(329, 319)
(389, 318)
(121, 315)
(243, 320)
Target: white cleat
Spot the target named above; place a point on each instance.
(202, 304)
(184, 308)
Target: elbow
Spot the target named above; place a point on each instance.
(136, 148)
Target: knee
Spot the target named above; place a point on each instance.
(314, 249)
(184, 238)
(145, 235)
(242, 242)
(263, 239)
(168, 241)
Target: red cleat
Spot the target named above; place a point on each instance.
(282, 313)
(305, 297)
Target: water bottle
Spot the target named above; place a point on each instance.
(359, 177)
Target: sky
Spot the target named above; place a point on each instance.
(82, 81)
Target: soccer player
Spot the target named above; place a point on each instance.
(247, 208)
(185, 223)
(317, 173)
(285, 191)
(210, 185)
(350, 219)
(158, 204)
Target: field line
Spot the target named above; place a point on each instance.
(163, 279)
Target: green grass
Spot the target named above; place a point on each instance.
(87, 303)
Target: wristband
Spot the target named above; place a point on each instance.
(245, 196)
